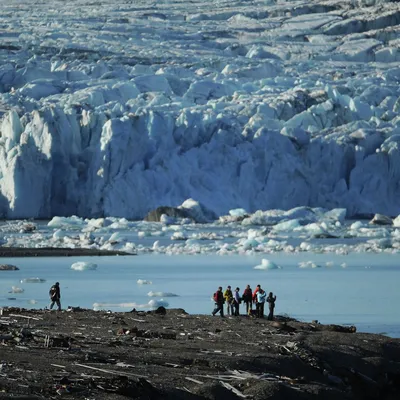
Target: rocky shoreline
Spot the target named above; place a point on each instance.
(169, 354)
(57, 252)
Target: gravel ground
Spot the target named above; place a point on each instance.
(85, 354)
(56, 252)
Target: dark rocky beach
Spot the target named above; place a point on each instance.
(57, 252)
(169, 354)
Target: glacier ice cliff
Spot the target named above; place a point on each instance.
(115, 109)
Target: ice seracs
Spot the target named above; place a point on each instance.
(303, 117)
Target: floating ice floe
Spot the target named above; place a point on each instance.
(266, 264)
(329, 264)
(73, 221)
(161, 294)
(33, 280)
(84, 266)
(8, 267)
(151, 304)
(308, 264)
(158, 303)
(16, 289)
(143, 282)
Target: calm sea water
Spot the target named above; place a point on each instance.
(365, 293)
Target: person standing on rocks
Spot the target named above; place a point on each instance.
(228, 296)
(219, 302)
(271, 302)
(247, 298)
(55, 296)
(255, 293)
(236, 302)
(261, 295)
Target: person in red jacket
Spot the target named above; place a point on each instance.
(255, 293)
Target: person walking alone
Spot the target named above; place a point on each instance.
(271, 303)
(55, 296)
(247, 298)
(219, 302)
(261, 295)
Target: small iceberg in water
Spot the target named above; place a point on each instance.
(143, 282)
(161, 294)
(84, 266)
(33, 280)
(16, 289)
(308, 264)
(267, 264)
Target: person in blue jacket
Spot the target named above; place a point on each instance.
(261, 295)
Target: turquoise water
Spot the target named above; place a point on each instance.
(365, 293)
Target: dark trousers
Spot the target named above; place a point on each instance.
(219, 307)
(56, 301)
(271, 313)
(235, 309)
(260, 310)
(249, 305)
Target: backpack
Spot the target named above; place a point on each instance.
(215, 297)
(53, 292)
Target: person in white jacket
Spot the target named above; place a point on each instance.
(236, 302)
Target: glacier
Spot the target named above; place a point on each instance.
(115, 109)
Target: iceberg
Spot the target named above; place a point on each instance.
(266, 265)
(143, 282)
(161, 294)
(308, 264)
(33, 280)
(84, 266)
(158, 303)
(16, 289)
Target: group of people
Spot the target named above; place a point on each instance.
(231, 299)
(248, 297)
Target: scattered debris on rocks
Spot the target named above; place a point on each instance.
(169, 354)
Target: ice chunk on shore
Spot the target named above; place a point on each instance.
(83, 266)
(143, 282)
(161, 294)
(33, 280)
(266, 264)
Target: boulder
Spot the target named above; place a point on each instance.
(380, 219)
(155, 215)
